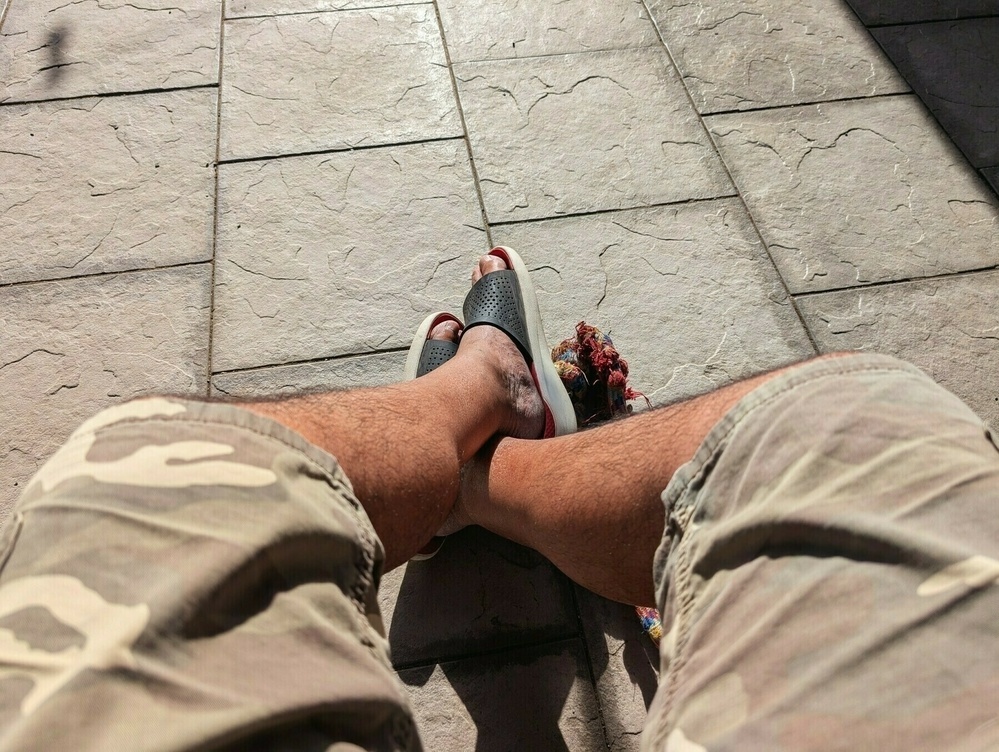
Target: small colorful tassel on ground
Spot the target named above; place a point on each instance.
(652, 625)
(594, 374)
(596, 378)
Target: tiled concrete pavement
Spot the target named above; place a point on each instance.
(949, 53)
(271, 194)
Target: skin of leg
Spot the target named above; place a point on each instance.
(590, 502)
(403, 446)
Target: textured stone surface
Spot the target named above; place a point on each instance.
(992, 175)
(340, 373)
(98, 185)
(243, 8)
(625, 667)
(480, 592)
(876, 12)
(764, 53)
(71, 348)
(578, 133)
(294, 84)
(954, 68)
(856, 192)
(948, 327)
(491, 30)
(54, 48)
(687, 292)
(533, 699)
(340, 254)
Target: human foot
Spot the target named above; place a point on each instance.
(504, 298)
(493, 349)
(487, 346)
(521, 402)
(434, 344)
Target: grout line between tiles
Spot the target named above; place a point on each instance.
(728, 172)
(599, 50)
(108, 94)
(50, 280)
(815, 103)
(893, 282)
(487, 653)
(464, 126)
(896, 24)
(596, 212)
(215, 206)
(258, 16)
(338, 150)
(309, 361)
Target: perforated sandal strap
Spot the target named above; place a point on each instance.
(496, 300)
(435, 353)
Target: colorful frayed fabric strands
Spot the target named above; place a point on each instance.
(596, 377)
(594, 374)
(652, 625)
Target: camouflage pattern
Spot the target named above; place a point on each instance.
(183, 575)
(828, 574)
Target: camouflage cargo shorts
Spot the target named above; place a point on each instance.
(183, 575)
(827, 574)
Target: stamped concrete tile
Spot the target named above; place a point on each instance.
(954, 68)
(578, 133)
(72, 347)
(294, 84)
(480, 592)
(532, 699)
(856, 192)
(99, 185)
(625, 667)
(340, 254)
(244, 8)
(878, 12)
(948, 327)
(353, 372)
(498, 29)
(765, 53)
(52, 48)
(687, 292)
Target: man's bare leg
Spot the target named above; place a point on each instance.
(403, 446)
(590, 502)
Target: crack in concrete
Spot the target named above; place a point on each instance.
(725, 20)
(650, 235)
(603, 270)
(260, 315)
(988, 334)
(20, 153)
(61, 65)
(266, 276)
(61, 387)
(112, 190)
(264, 96)
(28, 355)
(93, 250)
(571, 89)
(835, 142)
(704, 367)
(409, 89)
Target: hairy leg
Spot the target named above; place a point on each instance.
(590, 502)
(403, 446)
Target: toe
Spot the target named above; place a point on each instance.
(446, 330)
(486, 265)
